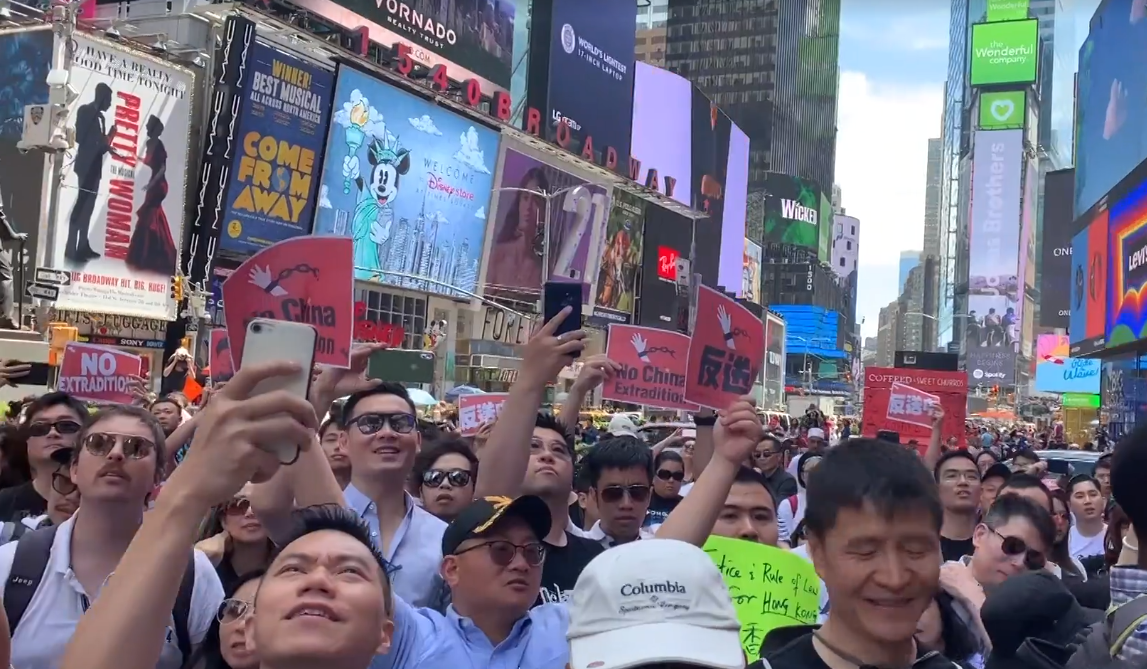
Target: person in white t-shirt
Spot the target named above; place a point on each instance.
(1088, 531)
(790, 512)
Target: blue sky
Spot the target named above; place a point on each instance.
(893, 63)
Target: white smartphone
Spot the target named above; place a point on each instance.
(269, 340)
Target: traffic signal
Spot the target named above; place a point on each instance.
(177, 288)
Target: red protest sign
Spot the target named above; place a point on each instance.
(219, 356)
(910, 405)
(725, 352)
(302, 280)
(951, 389)
(474, 410)
(98, 374)
(652, 367)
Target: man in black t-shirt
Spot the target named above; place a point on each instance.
(959, 480)
(873, 521)
(50, 426)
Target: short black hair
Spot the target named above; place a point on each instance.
(869, 471)
(1127, 466)
(769, 436)
(952, 455)
(1009, 507)
(328, 424)
(49, 400)
(1022, 481)
(750, 475)
(1027, 454)
(548, 421)
(581, 478)
(384, 388)
(166, 399)
(1082, 478)
(442, 446)
(311, 519)
(618, 453)
(667, 455)
(1104, 462)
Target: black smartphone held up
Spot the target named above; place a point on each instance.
(36, 376)
(558, 295)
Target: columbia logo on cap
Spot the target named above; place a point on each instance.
(666, 587)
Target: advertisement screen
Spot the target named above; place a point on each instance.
(281, 129)
(1057, 372)
(736, 204)
(1127, 290)
(410, 182)
(710, 141)
(621, 259)
(663, 108)
(667, 236)
(1027, 241)
(474, 40)
(812, 330)
(774, 374)
(1055, 277)
(1110, 126)
(751, 272)
(1003, 110)
(792, 211)
(23, 81)
(578, 211)
(994, 285)
(1007, 10)
(119, 221)
(1088, 322)
(1005, 52)
(825, 221)
(591, 55)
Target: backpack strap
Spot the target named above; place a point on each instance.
(793, 505)
(1124, 620)
(181, 614)
(29, 563)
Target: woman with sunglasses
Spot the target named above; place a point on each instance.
(443, 477)
(225, 646)
(235, 540)
(668, 475)
(1085, 539)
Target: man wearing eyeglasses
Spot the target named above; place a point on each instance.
(959, 481)
(63, 500)
(380, 435)
(51, 425)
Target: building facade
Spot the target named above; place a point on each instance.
(908, 261)
(845, 245)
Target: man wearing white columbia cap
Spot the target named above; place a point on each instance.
(653, 602)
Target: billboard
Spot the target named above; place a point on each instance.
(812, 330)
(1057, 372)
(668, 236)
(825, 221)
(1127, 278)
(281, 130)
(663, 108)
(792, 211)
(119, 222)
(410, 182)
(1088, 321)
(578, 210)
(1007, 10)
(995, 293)
(710, 152)
(590, 50)
(1004, 52)
(27, 55)
(736, 204)
(774, 375)
(474, 40)
(1028, 208)
(1110, 126)
(1055, 277)
(950, 387)
(751, 272)
(1003, 110)
(621, 259)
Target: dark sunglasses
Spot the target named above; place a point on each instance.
(502, 552)
(100, 444)
(665, 475)
(760, 455)
(62, 427)
(457, 478)
(231, 610)
(62, 483)
(615, 493)
(1012, 546)
(371, 423)
(237, 507)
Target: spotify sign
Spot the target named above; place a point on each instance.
(1002, 111)
(1006, 52)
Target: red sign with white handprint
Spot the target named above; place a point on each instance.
(652, 367)
(726, 351)
(301, 280)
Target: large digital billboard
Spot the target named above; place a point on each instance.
(1005, 52)
(1007, 10)
(1002, 110)
(995, 293)
(668, 236)
(621, 260)
(736, 202)
(774, 369)
(1127, 283)
(1055, 277)
(1089, 249)
(1057, 372)
(582, 60)
(663, 108)
(792, 211)
(281, 130)
(751, 272)
(576, 213)
(710, 152)
(811, 330)
(410, 182)
(1110, 126)
(474, 40)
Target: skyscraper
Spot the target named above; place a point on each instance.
(773, 67)
(932, 201)
(908, 260)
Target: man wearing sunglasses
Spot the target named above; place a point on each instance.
(768, 458)
(63, 500)
(51, 425)
(619, 471)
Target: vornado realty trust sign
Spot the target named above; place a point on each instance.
(409, 19)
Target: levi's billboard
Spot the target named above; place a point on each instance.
(1127, 283)
(950, 387)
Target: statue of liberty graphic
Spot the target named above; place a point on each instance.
(373, 212)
